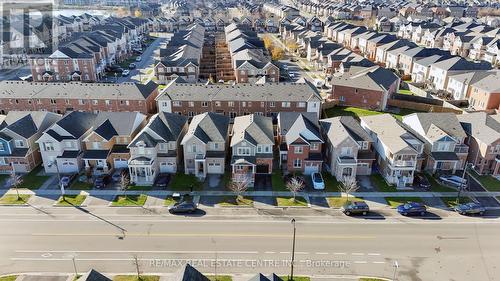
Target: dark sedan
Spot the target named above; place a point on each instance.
(412, 208)
(182, 207)
(422, 182)
(470, 209)
(355, 208)
(102, 181)
(162, 180)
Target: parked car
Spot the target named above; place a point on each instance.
(355, 208)
(102, 181)
(422, 182)
(132, 66)
(66, 180)
(453, 180)
(162, 180)
(294, 59)
(126, 72)
(182, 207)
(472, 208)
(412, 208)
(291, 74)
(138, 59)
(118, 173)
(317, 181)
(285, 66)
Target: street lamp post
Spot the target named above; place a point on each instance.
(58, 178)
(293, 250)
(462, 184)
(396, 266)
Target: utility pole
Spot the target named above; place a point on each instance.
(74, 266)
(396, 266)
(462, 184)
(293, 250)
(136, 262)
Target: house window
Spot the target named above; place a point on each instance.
(2, 161)
(176, 103)
(204, 104)
(2, 147)
(259, 149)
(346, 151)
(230, 103)
(298, 149)
(193, 148)
(301, 104)
(108, 102)
(262, 104)
(94, 102)
(69, 144)
(314, 146)
(285, 104)
(81, 102)
(48, 146)
(19, 143)
(272, 104)
(243, 104)
(163, 146)
(216, 145)
(217, 103)
(297, 163)
(191, 104)
(243, 151)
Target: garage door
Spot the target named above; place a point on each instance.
(214, 168)
(121, 163)
(167, 167)
(68, 167)
(309, 169)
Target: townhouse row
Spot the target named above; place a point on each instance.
(252, 146)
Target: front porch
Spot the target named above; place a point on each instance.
(96, 162)
(142, 170)
(346, 167)
(243, 170)
(443, 162)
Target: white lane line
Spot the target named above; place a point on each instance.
(361, 262)
(321, 253)
(269, 252)
(378, 262)
(340, 254)
(140, 251)
(284, 252)
(357, 254)
(302, 253)
(373, 254)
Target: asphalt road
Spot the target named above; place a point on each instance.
(247, 241)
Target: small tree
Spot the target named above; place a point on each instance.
(124, 182)
(239, 187)
(268, 42)
(295, 185)
(15, 182)
(348, 186)
(292, 46)
(277, 53)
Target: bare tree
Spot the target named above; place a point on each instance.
(295, 185)
(348, 186)
(124, 182)
(15, 182)
(137, 269)
(239, 187)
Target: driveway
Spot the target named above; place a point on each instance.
(365, 184)
(263, 182)
(474, 185)
(488, 201)
(318, 201)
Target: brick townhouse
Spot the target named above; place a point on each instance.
(77, 96)
(240, 99)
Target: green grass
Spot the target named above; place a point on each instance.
(487, 181)
(169, 201)
(337, 202)
(296, 278)
(78, 185)
(8, 278)
(289, 202)
(350, 111)
(396, 201)
(229, 201)
(11, 199)
(405, 92)
(371, 279)
(71, 200)
(331, 184)
(140, 187)
(277, 181)
(134, 278)
(452, 201)
(2, 179)
(183, 182)
(129, 200)
(437, 187)
(32, 181)
(379, 182)
(220, 278)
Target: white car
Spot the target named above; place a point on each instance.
(285, 66)
(138, 59)
(317, 180)
(291, 74)
(126, 72)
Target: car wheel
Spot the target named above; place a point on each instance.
(404, 213)
(347, 213)
(481, 213)
(422, 213)
(364, 213)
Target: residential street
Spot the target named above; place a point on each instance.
(45, 240)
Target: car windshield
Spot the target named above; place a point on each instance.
(407, 206)
(317, 178)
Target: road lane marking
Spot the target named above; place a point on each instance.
(357, 254)
(378, 262)
(269, 252)
(321, 253)
(373, 254)
(49, 252)
(360, 262)
(339, 254)
(197, 235)
(284, 252)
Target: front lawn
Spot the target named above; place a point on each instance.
(2, 180)
(129, 200)
(169, 201)
(396, 201)
(371, 279)
(337, 202)
(134, 278)
(379, 182)
(183, 182)
(487, 181)
(32, 181)
(289, 202)
(220, 278)
(8, 278)
(71, 200)
(278, 182)
(230, 201)
(78, 185)
(331, 184)
(452, 201)
(11, 199)
(437, 187)
(405, 92)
